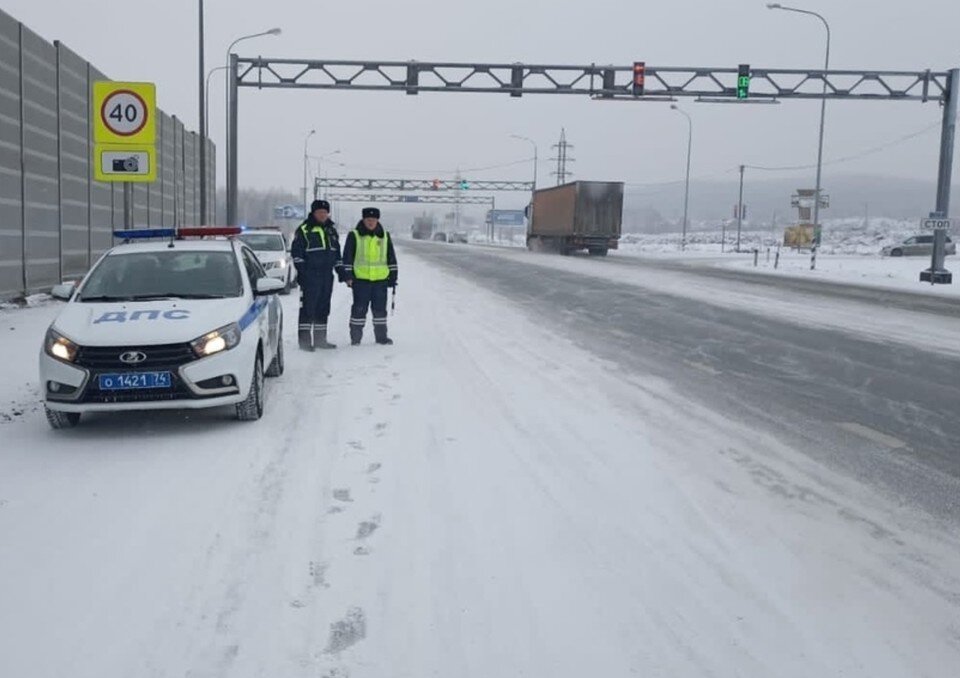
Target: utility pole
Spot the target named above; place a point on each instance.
(740, 208)
(456, 207)
(562, 158)
(203, 130)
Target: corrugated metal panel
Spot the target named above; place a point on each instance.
(41, 211)
(190, 175)
(166, 166)
(178, 172)
(74, 163)
(211, 182)
(11, 180)
(101, 194)
(155, 189)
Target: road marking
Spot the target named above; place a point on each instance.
(872, 434)
(703, 367)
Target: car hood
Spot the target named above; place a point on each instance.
(142, 323)
(266, 257)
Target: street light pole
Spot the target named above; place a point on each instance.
(203, 133)
(823, 111)
(227, 149)
(535, 160)
(306, 204)
(686, 183)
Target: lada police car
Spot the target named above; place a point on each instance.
(166, 320)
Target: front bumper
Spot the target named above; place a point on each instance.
(78, 385)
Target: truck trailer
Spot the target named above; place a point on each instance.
(582, 215)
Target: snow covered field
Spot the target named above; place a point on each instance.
(482, 499)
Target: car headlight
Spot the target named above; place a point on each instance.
(58, 346)
(222, 339)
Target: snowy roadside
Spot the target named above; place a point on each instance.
(484, 498)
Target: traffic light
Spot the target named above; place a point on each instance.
(436, 184)
(464, 184)
(639, 77)
(743, 81)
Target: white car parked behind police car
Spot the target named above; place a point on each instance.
(164, 325)
(273, 252)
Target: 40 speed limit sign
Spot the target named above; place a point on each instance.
(124, 131)
(124, 113)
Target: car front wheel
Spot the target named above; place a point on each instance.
(59, 420)
(896, 253)
(251, 409)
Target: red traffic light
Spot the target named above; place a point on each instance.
(639, 77)
(436, 184)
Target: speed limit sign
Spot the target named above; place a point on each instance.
(124, 112)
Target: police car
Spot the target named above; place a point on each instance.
(273, 252)
(169, 324)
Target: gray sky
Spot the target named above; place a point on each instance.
(636, 143)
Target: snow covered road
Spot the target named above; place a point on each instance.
(486, 498)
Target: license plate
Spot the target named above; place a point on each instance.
(135, 380)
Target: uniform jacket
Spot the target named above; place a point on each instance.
(312, 254)
(350, 251)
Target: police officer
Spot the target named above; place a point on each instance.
(369, 268)
(316, 254)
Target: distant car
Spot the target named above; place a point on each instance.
(440, 236)
(273, 252)
(460, 237)
(915, 246)
(175, 324)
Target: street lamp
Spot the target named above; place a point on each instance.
(320, 158)
(686, 183)
(534, 144)
(306, 205)
(272, 31)
(823, 111)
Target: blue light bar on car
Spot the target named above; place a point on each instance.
(145, 233)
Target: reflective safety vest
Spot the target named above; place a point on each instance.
(370, 260)
(319, 230)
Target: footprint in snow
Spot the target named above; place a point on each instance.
(355, 444)
(374, 467)
(342, 494)
(348, 631)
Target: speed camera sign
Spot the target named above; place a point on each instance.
(124, 112)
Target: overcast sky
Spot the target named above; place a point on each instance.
(435, 133)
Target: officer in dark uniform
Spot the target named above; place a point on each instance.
(369, 268)
(316, 254)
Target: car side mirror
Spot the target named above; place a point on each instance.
(269, 286)
(63, 291)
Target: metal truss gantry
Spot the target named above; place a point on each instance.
(602, 82)
(439, 199)
(432, 185)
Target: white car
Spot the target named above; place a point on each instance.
(168, 324)
(273, 252)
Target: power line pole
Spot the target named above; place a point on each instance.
(562, 158)
(740, 209)
(202, 127)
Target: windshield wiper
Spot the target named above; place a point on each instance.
(177, 295)
(104, 297)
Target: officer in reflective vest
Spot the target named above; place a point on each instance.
(316, 254)
(369, 268)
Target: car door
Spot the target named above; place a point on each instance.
(924, 245)
(269, 319)
(908, 246)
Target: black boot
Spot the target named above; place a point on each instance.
(356, 334)
(380, 333)
(320, 337)
(305, 338)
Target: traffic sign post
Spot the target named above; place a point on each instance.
(937, 274)
(125, 136)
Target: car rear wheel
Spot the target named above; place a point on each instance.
(251, 409)
(896, 252)
(276, 365)
(58, 419)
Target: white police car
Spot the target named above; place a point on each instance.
(273, 252)
(164, 324)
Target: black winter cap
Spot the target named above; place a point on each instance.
(319, 205)
(371, 212)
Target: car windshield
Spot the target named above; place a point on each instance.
(156, 275)
(263, 242)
